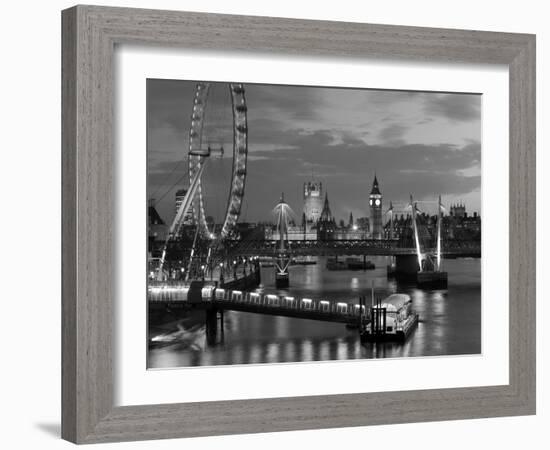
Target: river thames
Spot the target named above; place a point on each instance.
(450, 321)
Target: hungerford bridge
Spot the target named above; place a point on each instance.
(411, 261)
(352, 247)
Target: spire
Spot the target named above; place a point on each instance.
(326, 215)
(375, 188)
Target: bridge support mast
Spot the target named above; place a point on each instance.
(434, 277)
(282, 262)
(415, 232)
(439, 219)
(390, 212)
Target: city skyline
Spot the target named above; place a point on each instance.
(399, 209)
(422, 143)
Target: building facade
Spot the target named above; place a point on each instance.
(313, 204)
(457, 226)
(458, 210)
(375, 208)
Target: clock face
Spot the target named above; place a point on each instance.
(370, 201)
(377, 202)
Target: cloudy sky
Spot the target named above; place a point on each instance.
(421, 143)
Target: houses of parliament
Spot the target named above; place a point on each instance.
(318, 222)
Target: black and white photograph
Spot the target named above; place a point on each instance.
(291, 224)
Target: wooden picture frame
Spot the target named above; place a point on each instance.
(90, 34)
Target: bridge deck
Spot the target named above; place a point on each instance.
(358, 247)
(270, 304)
(234, 300)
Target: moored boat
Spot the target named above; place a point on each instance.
(349, 264)
(335, 264)
(390, 319)
(359, 264)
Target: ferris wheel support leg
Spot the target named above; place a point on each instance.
(182, 211)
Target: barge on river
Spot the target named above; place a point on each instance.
(391, 319)
(349, 264)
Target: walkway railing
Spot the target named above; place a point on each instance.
(168, 291)
(285, 302)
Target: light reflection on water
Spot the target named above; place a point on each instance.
(450, 322)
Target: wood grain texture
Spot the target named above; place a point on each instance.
(89, 36)
(68, 225)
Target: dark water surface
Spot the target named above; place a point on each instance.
(450, 322)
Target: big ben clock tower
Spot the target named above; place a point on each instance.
(375, 204)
